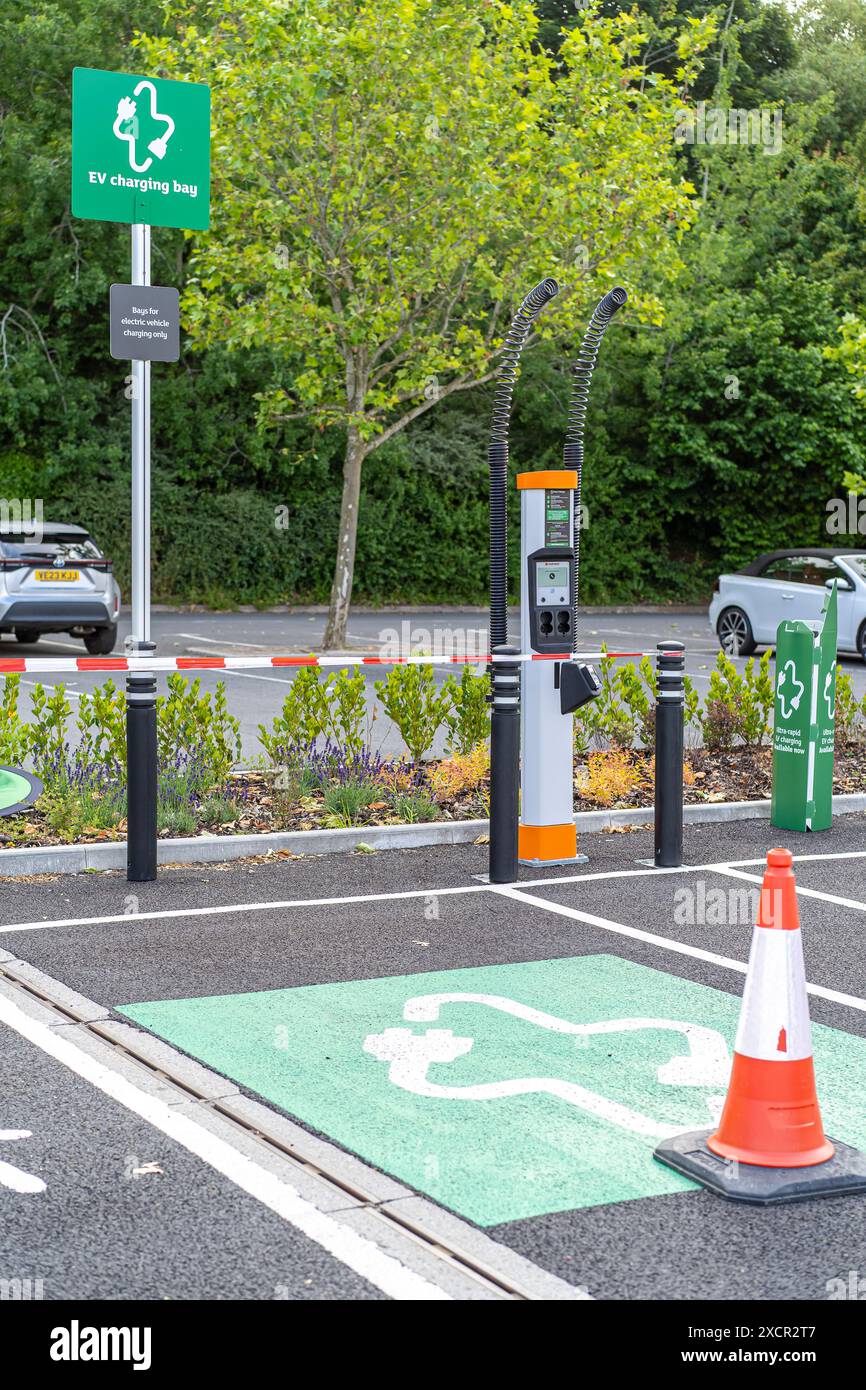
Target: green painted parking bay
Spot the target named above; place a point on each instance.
(504, 1091)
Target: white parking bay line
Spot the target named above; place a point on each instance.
(351, 1249)
(399, 895)
(223, 909)
(249, 676)
(347, 900)
(221, 673)
(219, 641)
(802, 891)
(666, 943)
(73, 694)
(798, 858)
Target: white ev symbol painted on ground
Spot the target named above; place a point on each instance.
(409, 1055)
(16, 1178)
(831, 709)
(788, 676)
(126, 109)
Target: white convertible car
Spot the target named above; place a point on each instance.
(748, 605)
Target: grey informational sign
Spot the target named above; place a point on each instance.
(145, 323)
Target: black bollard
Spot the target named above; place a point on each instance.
(670, 669)
(504, 766)
(141, 778)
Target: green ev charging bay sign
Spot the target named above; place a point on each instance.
(506, 1091)
(140, 149)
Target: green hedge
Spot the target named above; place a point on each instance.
(422, 534)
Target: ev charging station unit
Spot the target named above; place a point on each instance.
(536, 688)
(546, 831)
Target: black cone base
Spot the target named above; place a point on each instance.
(841, 1175)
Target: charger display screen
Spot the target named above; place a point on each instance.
(551, 581)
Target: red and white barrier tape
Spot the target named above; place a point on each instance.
(46, 665)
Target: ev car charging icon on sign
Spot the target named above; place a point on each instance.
(830, 692)
(790, 690)
(126, 127)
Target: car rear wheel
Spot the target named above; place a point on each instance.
(27, 635)
(735, 633)
(861, 642)
(101, 642)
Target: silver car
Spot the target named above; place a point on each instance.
(748, 606)
(57, 580)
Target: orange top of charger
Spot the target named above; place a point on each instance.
(548, 477)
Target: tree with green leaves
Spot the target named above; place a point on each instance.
(832, 59)
(851, 352)
(734, 424)
(389, 180)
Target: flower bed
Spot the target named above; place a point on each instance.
(254, 803)
(316, 768)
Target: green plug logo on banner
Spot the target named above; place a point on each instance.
(805, 722)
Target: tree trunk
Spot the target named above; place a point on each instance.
(344, 570)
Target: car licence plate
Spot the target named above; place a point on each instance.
(58, 576)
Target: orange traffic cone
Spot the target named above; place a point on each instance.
(771, 1114)
(771, 1121)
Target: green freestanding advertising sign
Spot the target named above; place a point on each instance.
(140, 149)
(804, 729)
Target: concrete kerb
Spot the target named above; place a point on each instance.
(220, 849)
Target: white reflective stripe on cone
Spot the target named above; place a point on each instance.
(774, 1019)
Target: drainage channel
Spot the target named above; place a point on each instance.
(448, 1252)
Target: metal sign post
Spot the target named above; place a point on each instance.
(139, 640)
(141, 751)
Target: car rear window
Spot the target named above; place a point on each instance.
(69, 547)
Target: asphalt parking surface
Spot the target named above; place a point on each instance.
(124, 1206)
(263, 931)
